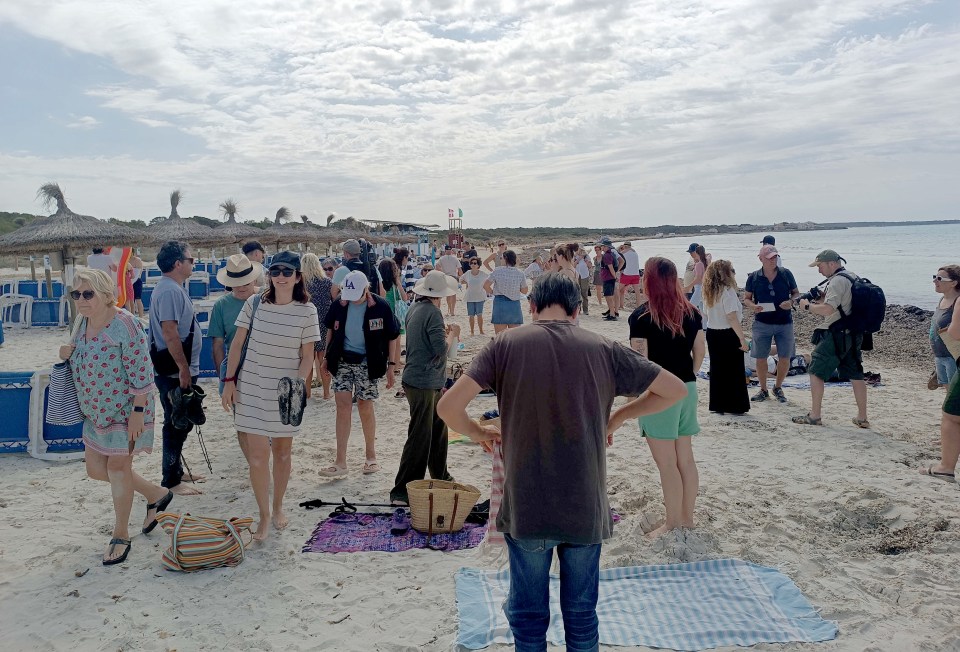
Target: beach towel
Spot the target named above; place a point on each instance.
(694, 606)
(371, 532)
(797, 381)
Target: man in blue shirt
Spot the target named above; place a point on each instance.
(362, 341)
(173, 324)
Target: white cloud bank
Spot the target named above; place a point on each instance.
(569, 113)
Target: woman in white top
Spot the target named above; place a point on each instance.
(279, 356)
(476, 294)
(725, 340)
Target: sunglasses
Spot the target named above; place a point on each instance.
(286, 271)
(86, 294)
(941, 279)
(474, 264)
(187, 260)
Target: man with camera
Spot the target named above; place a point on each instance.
(358, 256)
(770, 292)
(837, 347)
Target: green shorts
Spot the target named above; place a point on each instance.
(678, 420)
(951, 404)
(837, 351)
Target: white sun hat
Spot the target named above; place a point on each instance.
(240, 270)
(436, 284)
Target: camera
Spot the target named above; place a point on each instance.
(811, 295)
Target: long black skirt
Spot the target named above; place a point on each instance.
(728, 380)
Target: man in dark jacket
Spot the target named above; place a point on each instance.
(362, 334)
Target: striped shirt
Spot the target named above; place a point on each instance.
(410, 276)
(273, 352)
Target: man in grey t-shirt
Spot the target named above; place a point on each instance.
(554, 436)
(171, 320)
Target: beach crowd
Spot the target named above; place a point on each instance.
(344, 327)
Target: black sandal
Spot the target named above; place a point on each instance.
(122, 558)
(160, 505)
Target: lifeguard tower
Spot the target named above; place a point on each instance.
(454, 230)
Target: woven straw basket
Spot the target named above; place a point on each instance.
(439, 506)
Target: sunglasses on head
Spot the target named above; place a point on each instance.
(86, 294)
(286, 271)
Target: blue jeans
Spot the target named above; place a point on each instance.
(528, 604)
(946, 368)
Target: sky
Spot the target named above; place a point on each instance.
(542, 113)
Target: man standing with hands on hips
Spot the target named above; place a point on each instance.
(175, 333)
(770, 292)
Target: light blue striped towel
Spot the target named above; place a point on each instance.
(695, 606)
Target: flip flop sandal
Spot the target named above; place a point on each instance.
(298, 401)
(861, 423)
(946, 477)
(160, 505)
(333, 471)
(284, 388)
(371, 466)
(807, 420)
(122, 558)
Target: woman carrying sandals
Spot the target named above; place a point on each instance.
(267, 391)
(423, 379)
(725, 339)
(110, 359)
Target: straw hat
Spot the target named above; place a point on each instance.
(239, 271)
(436, 284)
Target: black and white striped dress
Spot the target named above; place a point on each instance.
(273, 352)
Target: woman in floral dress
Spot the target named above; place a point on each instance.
(110, 359)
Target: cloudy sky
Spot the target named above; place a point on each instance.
(582, 112)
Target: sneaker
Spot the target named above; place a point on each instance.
(606, 313)
(762, 395)
(611, 318)
(778, 392)
(178, 400)
(194, 407)
(400, 523)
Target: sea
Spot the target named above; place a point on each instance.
(900, 259)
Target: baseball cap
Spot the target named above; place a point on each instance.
(351, 247)
(286, 259)
(353, 286)
(768, 251)
(606, 242)
(827, 256)
(768, 239)
(693, 247)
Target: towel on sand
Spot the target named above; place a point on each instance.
(693, 606)
(371, 532)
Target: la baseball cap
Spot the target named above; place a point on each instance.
(353, 286)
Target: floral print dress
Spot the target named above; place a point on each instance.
(110, 370)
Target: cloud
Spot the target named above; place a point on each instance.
(85, 122)
(530, 108)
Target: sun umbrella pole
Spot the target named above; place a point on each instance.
(33, 269)
(68, 283)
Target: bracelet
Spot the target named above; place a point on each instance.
(138, 408)
(231, 379)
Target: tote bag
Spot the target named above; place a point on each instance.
(198, 543)
(63, 406)
(400, 307)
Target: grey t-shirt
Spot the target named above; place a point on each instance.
(170, 302)
(555, 385)
(426, 347)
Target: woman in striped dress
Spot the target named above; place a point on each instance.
(280, 348)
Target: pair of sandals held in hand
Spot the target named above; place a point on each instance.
(292, 395)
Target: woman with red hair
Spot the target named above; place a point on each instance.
(669, 331)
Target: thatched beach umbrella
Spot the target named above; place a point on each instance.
(232, 232)
(177, 228)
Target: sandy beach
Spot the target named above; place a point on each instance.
(842, 511)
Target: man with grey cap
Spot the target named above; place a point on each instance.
(424, 375)
(362, 341)
(837, 348)
(353, 262)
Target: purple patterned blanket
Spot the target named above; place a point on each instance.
(371, 532)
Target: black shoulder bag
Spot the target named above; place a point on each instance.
(163, 362)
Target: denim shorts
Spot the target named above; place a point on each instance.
(765, 334)
(506, 311)
(475, 308)
(946, 369)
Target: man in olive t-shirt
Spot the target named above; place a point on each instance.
(555, 385)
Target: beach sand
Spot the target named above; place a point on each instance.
(828, 506)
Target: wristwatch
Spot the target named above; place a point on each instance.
(138, 408)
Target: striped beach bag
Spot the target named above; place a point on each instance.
(198, 543)
(63, 404)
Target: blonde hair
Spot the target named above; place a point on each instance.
(311, 268)
(102, 284)
(718, 277)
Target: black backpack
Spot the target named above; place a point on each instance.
(868, 308)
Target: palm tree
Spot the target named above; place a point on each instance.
(283, 214)
(175, 198)
(229, 208)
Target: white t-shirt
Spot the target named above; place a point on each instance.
(582, 270)
(449, 264)
(632, 259)
(716, 315)
(101, 262)
(475, 291)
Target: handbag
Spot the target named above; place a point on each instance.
(63, 405)
(198, 543)
(400, 307)
(163, 362)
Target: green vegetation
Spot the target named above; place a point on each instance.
(13, 221)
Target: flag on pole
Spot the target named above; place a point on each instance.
(450, 213)
(460, 210)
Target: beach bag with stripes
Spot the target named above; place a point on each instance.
(63, 405)
(198, 543)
